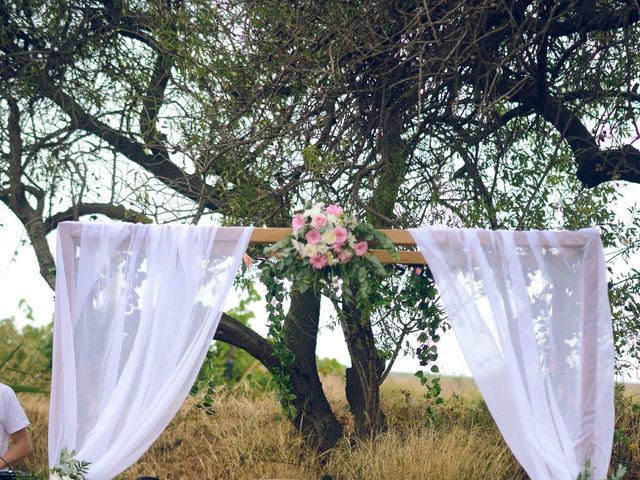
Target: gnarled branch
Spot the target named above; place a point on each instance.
(157, 163)
(115, 212)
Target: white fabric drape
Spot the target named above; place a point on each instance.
(531, 313)
(136, 309)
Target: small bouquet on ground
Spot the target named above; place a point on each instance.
(69, 468)
(326, 243)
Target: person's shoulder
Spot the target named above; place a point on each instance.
(6, 390)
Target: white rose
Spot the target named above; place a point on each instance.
(329, 237)
(309, 250)
(350, 221)
(314, 211)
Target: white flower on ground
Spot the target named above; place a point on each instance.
(58, 476)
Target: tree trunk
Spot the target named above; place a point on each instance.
(362, 379)
(391, 175)
(314, 417)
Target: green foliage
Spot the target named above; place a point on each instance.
(25, 356)
(205, 385)
(357, 280)
(408, 303)
(587, 472)
(623, 294)
(275, 298)
(330, 366)
(624, 286)
(69, 468)
(433, 395)
(626, 436)
(397, 300)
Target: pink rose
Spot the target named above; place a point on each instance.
(417, 270)
(341, 235)
(313, 237)
(361, 248)
(247, 260)
(344, 256)
(334, 210)
(298, 222)
(319, 221)
(337, 247)
(318, 261)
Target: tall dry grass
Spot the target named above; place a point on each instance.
(246, 437)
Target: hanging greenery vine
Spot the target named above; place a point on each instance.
(329, 252)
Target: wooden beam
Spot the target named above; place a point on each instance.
(408, 258)
(265, 236)
(401, 238)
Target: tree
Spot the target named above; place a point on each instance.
(479, 112)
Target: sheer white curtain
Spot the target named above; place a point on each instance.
(136, 309)
(531, 313)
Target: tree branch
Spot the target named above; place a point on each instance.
(595, 166)
(157, 163)
(593, 94)
(235, 333)
(116, 212)
(151, 103)
(597, 21)
(15, 151)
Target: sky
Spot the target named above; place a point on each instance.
(20, 280)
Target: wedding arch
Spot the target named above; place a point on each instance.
(137, 306)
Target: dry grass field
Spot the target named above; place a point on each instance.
(247, 438)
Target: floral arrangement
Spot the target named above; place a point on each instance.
(329, 252)
(326, 252)
(327, 247)
(325, 236)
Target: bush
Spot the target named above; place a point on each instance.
(25, 356)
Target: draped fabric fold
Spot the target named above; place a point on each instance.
(136, 309)
(531, 313)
